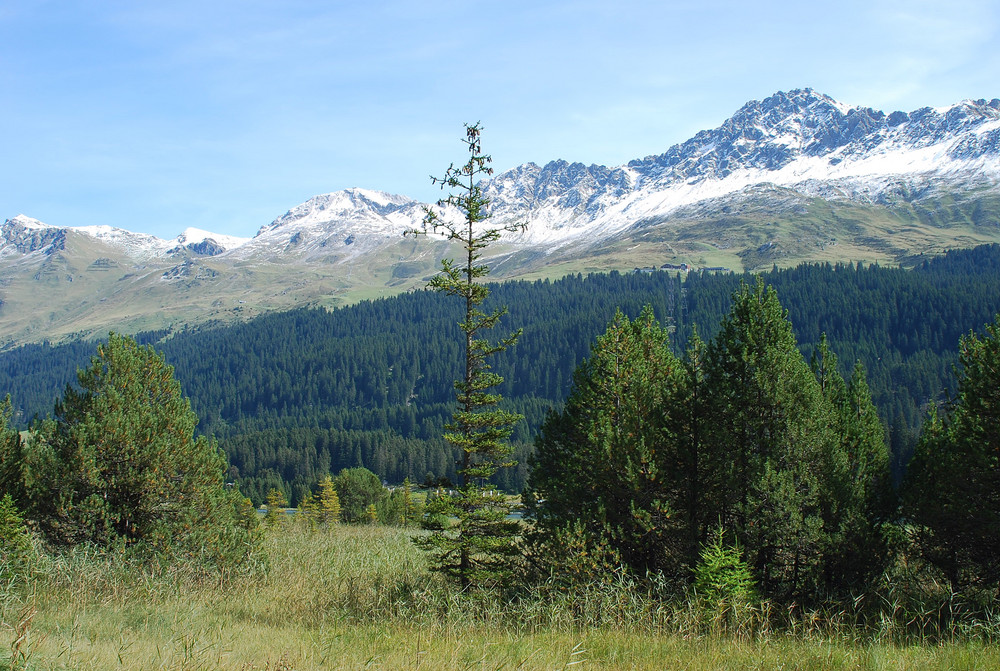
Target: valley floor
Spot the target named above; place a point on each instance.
(360, 597)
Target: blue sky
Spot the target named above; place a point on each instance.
(224, 114)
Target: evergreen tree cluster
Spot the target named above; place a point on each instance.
(654, 452)
(740, 466)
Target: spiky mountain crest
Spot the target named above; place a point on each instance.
(776, 140)
(796, 176)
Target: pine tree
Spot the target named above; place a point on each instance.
(276, 503)
(858, 498)
(770, 444)
(409, 505)
(15, 542)
(308, 506)
(119, 463)
(721, 576)
(952, 487)
(357, 488)
(690, 426)
(609, 471)
(327, 502)
(11, 480)
(477, 549)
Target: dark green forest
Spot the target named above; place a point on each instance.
(292, 396)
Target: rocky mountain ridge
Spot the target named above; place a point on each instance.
(796, 176)
(800, 139)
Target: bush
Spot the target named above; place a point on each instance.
(15, 543)
(17, 552)
(358, 489)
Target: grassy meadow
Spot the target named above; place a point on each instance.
(355, 597)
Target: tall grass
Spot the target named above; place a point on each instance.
(361, 597)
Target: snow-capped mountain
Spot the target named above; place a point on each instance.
(25, 235)
(803, 140)
(796, 176)
(350, 222)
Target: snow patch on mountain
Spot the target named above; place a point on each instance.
(137, 245)
(27, 222)
(192, 236)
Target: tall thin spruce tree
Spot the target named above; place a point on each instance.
(478, 546)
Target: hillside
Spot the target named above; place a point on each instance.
(292, 395)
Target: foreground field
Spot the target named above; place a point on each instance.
(360, 597)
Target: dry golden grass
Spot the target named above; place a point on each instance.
(360, 597)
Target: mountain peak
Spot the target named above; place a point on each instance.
(798, 101)
(27, 222)
(24, 235)
(355, 203)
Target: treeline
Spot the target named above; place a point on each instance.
(293, 396)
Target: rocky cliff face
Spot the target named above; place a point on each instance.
(23, 235)
(772, 133)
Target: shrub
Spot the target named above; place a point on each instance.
(15, 543)
(721, 575)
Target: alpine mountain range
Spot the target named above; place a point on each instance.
(795, 177)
